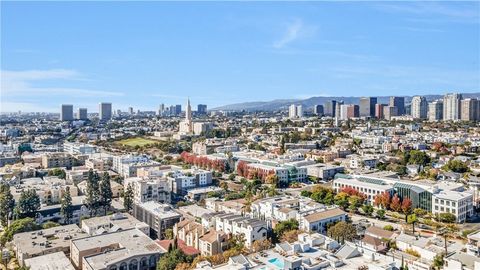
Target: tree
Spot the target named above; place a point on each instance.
(169, 234)
(354, 202)
(341, 199)
(446, 217)
(380, 213)
(260, 245)
(418, 157)
(285, 226)
(438, 261)
(396, 205)
(406, 207)
(49, 224)
(367, 209)
(420, 212)
(272, 179)
(7, 203)
(382, 200)
(171, 259)
(224, 185)
(29, 203)
(412, 219)
(388, 228)
(456, 166)
(18, 226)
(128, 198)
(66, 208)
(342, 231)
(57, 172)
(290, 236)
(93, 196)
(105, 192)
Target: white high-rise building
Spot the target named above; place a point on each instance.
(299, 111)
(292, 111)
(435, 110)
(419, 107)
(105, 111)
(451, 106)
(295, 111)
(343, 112)
(66, 114)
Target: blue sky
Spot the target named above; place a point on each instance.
(142, 54)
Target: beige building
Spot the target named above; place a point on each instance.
(56, 160)
(113, 223)
(57, 239)
(128, 249)
(469, 109)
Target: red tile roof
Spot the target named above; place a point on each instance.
(191, 251)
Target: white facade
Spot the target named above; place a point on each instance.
(419, 107)
(458, 203)
(149, 189)
(252, 229)
(451, 107)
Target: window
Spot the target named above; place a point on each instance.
(133, 265)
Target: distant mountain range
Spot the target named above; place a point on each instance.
(282, 104)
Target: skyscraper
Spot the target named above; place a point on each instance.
(337, 108)
(318, 110)
(295, 111)
(292, 111)
(389, 111)
(202, 109)
(419, 107)
(186, 126)
(367, 106)
(66, 113)
(451, 107)
(379, 110)
(178, 108)
(82, 114)
(398, 102)
(105, 111)
(329, 108)
(435, 110)
(130, 110)
(469, 109)
(161, 109)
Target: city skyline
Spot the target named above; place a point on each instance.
(224, 53)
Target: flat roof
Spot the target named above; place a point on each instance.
(52, 261)
(123, 244)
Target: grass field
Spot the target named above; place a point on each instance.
(136, 141)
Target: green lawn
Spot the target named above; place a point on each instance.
(136, 141)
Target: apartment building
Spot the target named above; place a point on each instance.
(318, 220)
(113, 223)
(182, 181)
(33, 244)
(252, 229)
(127, 165)
(158, 216)
(57, 160)
(78, 148)
(126, 249)
(49, 191)
(149, 189)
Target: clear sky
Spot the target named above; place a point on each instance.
(142, 54)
